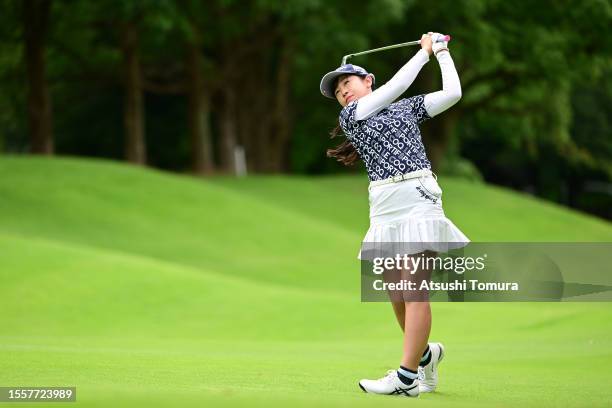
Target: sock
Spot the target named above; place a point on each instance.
(426, 357)
(406, 375)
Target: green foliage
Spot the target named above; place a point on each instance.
(534, 75)
(459, 167)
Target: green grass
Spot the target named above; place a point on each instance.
(148, 289)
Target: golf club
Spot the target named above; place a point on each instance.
(406, 44)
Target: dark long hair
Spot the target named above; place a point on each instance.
(345, 152)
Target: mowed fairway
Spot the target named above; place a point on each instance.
(143, 289)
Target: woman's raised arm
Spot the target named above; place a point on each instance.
(438, 102)
(382, 97)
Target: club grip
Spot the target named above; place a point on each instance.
(446, 38)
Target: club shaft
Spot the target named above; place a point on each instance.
(380, 49)
(389, 47)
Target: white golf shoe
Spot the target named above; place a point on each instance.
(428, 375)
(390, 385)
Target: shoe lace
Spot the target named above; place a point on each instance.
(391, 374)
(421, 374)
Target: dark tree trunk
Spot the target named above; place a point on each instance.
(199, 114)
(255, 117)
(281, 126)
(36, 23)
(133, 110)
(265, 123)
(262, 124)
(227, 127)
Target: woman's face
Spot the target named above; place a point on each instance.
(352, 87)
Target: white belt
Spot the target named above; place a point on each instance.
(402, 177)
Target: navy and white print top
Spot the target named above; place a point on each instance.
(389, 142)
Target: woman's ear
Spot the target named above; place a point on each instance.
(368, 81)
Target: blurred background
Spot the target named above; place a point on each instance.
(228, 87)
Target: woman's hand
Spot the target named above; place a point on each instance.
(438, 42)
(426, 43)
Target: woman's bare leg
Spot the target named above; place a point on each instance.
(417, 321)
(416, 333)
(399, 308)
(395, 297)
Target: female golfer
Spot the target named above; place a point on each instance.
(405, 198)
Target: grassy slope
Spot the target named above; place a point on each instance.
(137, 286)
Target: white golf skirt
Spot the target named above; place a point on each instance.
(410, 212)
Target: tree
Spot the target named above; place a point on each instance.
(135, 147)
(199, 105)
(516, 60)
(36, 15)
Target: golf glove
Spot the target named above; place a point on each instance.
(437, 44)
